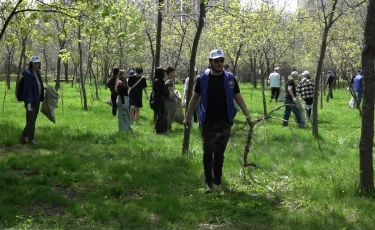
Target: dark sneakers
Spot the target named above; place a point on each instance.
(22, 140)
(32, 142)
(209, 188)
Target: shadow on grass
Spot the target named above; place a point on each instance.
(81, 178)
(78, 175)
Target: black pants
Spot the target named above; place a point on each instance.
(275, 91)
(161, 119)
(114, 104)
(215, 139)
(31, 116)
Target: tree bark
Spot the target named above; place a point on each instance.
(81, 76)
(158, 33)
(367, 131)
(323, 47)
(202, 16)
(153, 57)
(22, 57)
(10, 16)
(11, 51)
(66, 71)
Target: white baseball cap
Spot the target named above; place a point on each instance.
(35, 59)
(216, 54)
(305, 73)
(277, 69)
(294, 73)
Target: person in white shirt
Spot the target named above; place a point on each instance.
(274, 82)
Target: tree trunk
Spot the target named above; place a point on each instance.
(81, 76)
(10, 16)
(66, 71)
(262, 84)
(367, 133)
(323, 48)
(45, 65)
(158, 33)
(153, 57)
(202, 16)
(238, 54)
(180, 48)
(20, 64)
(253, 65)
(58, 74)
(11, 51)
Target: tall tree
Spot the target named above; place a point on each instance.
(330, 16)
(158, 33)
(367, 132)
(202, 16)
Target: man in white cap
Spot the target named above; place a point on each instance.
(274, 82)
(216, 90)
(33, 94)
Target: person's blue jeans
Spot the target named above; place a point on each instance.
(359, 98)
(290, 106)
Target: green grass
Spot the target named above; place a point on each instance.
(84, 174)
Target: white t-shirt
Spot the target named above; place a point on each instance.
(274, 80)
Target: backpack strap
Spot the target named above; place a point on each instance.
(130, 88)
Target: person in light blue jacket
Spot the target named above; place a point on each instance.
(33, 94)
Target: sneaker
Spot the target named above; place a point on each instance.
(23, 140)
(219, 189)
(208, 188)
(32, 142)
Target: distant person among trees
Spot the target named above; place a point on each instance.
(291, 103)
(216, 90)
(274, 82)
(226, 67)
(111, 85)
(306, 90)
(121, 89)
(137, 84)
(170, 102)
(160, 93)
(196, 109)
(358, 87)
(331, 83)
(33, 94)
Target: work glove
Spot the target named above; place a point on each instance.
(29, 107)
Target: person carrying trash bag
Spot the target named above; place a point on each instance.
(291, 102)
(50, 103)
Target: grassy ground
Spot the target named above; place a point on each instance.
(84, 174)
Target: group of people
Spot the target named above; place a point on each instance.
(216, 94)
(304, 88)
(165, 99)
(126, 95)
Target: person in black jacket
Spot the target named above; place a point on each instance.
(111, 85)
(160, 92)
(33, 94)
(331, 84)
